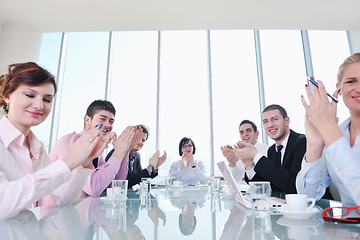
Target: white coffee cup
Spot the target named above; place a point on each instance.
(299, 202)
(177, 184)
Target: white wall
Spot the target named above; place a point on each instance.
(18, 43)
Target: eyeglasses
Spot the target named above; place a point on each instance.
(186, 146)
(341, 214)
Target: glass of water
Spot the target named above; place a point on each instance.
(119, 191)
(260, 195)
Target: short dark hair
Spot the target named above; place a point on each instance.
(276, 107)
(183, 141)
(144, 129)
(186, 229)
(99, 105)
(253, 125)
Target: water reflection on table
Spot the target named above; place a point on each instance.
(190, 213)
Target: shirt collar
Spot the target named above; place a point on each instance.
(14, 135)
(284, 143)
(132, 155)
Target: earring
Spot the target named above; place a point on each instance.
(7, 107)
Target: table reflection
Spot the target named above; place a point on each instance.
(194, 214)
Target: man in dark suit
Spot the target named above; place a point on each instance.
(283, 160)
(135, 171)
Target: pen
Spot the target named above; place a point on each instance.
(316, 85)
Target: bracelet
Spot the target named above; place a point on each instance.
(151, 168)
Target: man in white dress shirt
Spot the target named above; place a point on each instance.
(249, 133)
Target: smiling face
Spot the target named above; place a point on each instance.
(277, 127)
(30, 105)
(187, 148)
(248, 134)
(103, 117)
(350, 87)
(140, 142)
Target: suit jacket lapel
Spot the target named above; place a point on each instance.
(289, 146)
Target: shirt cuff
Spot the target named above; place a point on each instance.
(250, 173)
(240, 165)
(257, 157)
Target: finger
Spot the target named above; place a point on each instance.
(73, 138)
(304, 103)
(309, 93)
(93, 143)
(322, 92)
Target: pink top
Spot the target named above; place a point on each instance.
(101, 178)
(25, 180)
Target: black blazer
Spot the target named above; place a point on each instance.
(282, 178)
(134, 175)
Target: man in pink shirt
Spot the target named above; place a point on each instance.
(100, 113)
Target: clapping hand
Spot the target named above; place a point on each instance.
(123, 143)
(229, 154)
(246, 152)
(161, 160)
(80, 148)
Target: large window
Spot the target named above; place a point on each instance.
(184, 100)
(235, 86)
(284, 73)
(84, 79)
(138, 67)
(324, 44)
(133, 79)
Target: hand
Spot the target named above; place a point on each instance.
(154, 159)
(229, 154)
(80, 148)
(322, 114)
(103, 142)
(137, 137)
(123, 142)
(155, 213)
(245, 152)
(162, 159)
(184, 161)
(190, 159)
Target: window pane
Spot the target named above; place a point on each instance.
(184, 108)
(84, 78)
(49, 59)
(328, 51)
(235, 86)
(284, 73)
(133, 83)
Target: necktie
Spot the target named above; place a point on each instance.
(278, 155)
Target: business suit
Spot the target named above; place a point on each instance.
(282, 177)
(135, 171)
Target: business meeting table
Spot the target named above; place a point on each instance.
(176, 213)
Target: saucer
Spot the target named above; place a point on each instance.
(297, 215)
(306, 223)
(107, 200)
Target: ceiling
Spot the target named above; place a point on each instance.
(116, 15)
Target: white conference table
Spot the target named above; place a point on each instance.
(182, 213)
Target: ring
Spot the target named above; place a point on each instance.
(89, 140)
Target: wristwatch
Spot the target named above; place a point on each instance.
(151, 167)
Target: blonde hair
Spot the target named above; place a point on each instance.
(354, 58)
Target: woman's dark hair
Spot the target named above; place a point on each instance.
(183, 141)
(23, 73)
(186, 229)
